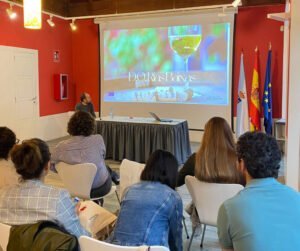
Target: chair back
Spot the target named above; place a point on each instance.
(130, 173)
(208, 197)
(90, 244)
(4, 235)
(78, 178)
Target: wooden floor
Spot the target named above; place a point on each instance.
(111, 203)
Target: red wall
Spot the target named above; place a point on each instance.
(79, 53)
(254, 29)
(12, 33)
(86, 68)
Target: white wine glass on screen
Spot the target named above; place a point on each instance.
(184, 41)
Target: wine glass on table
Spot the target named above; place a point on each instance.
(184, 41)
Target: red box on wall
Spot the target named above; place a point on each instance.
(61, 87)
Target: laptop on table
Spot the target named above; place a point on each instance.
(160, 119)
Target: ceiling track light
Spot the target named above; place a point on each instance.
(50, 21)
(10, 12)
(236, 3)
(73, 25)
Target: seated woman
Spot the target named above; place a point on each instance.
(31, 200)
(214, 162)
(8, 174)
(85, 147)
(151, 211)
(216, 159)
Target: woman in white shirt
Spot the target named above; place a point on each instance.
(8, 174)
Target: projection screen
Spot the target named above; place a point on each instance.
(177, 65)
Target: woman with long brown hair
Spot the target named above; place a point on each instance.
(216, 158)
(215, 161)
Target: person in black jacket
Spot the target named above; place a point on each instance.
(86, 104)
(187, 169)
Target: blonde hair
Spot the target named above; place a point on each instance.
(216, 157)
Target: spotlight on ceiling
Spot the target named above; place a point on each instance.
(10, 12)
(50, 21)
(73, 25)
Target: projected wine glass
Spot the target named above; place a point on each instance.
(184, 41)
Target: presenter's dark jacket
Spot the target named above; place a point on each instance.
(187, 169)
(86, 108)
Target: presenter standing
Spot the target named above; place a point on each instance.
(85, 104)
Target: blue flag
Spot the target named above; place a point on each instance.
(267, 100)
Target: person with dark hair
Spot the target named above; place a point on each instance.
(8, 174)
(85, 147)
(266, 214)
(86, 104)
(31, 200)
(151, 211)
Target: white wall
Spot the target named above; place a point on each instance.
(293, 129)
(52, 126)
(196, 136)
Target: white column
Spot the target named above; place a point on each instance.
(293, 122)
(285, 69)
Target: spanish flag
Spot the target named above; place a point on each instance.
(255, 103)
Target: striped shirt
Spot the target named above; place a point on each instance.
(32, 201)
(81, 149)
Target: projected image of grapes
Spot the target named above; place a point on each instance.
(177, 64)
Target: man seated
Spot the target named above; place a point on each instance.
(8, 174)
(86, 104)
(266, 214)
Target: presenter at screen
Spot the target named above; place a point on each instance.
(85, 104)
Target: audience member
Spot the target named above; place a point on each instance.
(215, 160)
(31, 200)
(8, 174)
(85, 147)
(86, 104)
(151, 211)
(266, 214)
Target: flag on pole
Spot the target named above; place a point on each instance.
(255, 104)
(267, 100)
(242, 122)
